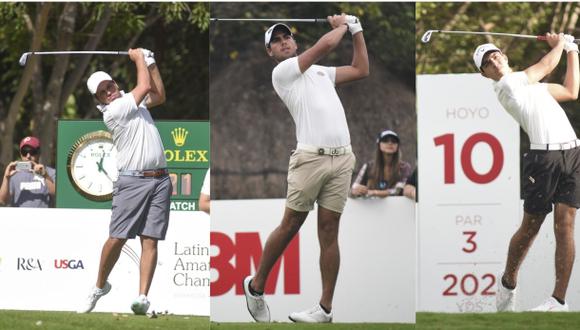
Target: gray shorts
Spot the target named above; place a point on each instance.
(140, 207)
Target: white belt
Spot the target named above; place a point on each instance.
(331, 151)
(555, 146)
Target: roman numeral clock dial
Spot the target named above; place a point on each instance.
(92, 165)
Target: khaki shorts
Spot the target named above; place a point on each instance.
(317, 178)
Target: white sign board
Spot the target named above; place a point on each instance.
(376, 282)
(469, 191)
(49, 260)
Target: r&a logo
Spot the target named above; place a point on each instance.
(28, 264)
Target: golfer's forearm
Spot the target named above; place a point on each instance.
(360, 58)
(143, 78)
(551, 60)
(143, 82)
(330, 40)
(157, 87)
(321, 48)
(572, 80)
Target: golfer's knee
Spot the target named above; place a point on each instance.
(291, 223)
(289, 228)
(149, 243)
(116, 242)
(564, 230)
(531, 226)
(329, 228)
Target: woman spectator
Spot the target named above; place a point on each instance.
(387, 174)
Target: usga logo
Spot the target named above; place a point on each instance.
(68, 264)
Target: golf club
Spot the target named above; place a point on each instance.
(302, 20)
(25, 56)
(427, 35)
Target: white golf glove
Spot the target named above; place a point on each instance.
(570, 47)
(149, 56)
(569, 38)
(354, 25)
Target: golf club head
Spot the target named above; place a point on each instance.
(427, 36)
(23, 58)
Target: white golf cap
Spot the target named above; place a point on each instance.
(270, 31)
(480, 52)
(95, 79)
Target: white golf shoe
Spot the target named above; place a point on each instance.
(313, 315)
(140, 305)
(256, 304)
(505, 299)
(551, 305)
(93, 297)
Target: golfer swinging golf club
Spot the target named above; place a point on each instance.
(321, 167)
(551, 169)
(141, 194)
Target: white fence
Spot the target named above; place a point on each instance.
(49, 260)
(376, 282)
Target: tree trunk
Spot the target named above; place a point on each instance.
(52, 106)
(75, 77)
(7, 126)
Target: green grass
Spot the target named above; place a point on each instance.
(498, 321)
(37, 320)
(296, 326)
(15, 320)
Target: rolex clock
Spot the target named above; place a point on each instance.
(92, 165)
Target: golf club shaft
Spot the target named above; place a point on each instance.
(24, 57)
(493, 34)
(427, 35)
(76, 52)
(302, 20)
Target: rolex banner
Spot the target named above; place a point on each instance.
(86, 163)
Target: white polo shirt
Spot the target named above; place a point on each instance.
(534, 108)
(313, 103)
(138, 143)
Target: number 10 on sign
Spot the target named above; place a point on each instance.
(447, 141)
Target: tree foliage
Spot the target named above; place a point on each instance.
(388, 28)
(252, 131)
(447, 53)
(48, 88)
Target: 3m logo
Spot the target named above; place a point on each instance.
(179, 135)
(247, 250)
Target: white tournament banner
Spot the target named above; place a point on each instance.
(49, 260)
(376, 282)
(468, 192)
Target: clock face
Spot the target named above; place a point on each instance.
(92, 166)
